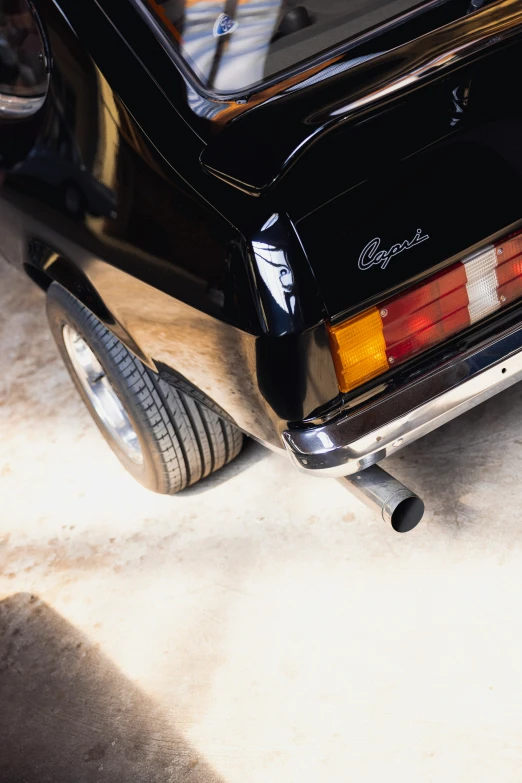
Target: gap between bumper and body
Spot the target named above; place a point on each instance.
(354, 441)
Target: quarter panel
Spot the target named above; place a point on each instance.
(97, 206)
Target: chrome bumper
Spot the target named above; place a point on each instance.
(361, 438)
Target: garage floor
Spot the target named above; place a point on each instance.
(263, 627)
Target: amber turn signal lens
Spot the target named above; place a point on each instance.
(358, 349)
(428, 313)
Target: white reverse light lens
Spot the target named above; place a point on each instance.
(482, 285)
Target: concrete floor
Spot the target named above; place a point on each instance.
(261, 627)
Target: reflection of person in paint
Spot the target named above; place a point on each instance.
(275, 272)
(220, 54)
(20, 48)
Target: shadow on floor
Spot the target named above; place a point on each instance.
(251, 453)
(479, 452)
(67, 715)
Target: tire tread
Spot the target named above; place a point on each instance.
(189, 440)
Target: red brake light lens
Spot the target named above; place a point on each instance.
(428, 313)
(509, 269)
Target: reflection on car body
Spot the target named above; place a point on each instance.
(293, 220)
(68, 180)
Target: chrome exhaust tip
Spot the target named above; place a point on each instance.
(397, 505)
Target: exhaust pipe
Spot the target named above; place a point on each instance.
(397, 504)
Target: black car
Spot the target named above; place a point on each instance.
(300, 220)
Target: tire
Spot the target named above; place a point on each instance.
(175, 439)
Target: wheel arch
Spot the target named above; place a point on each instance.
(53, 267)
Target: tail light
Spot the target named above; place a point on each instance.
(427, 314)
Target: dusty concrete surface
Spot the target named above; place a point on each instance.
(262, 627)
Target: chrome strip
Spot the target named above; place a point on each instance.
(351, 443)
(20, 105)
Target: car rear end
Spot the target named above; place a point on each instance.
(368, 160)
(418, 257)
(409, 211)
(390, 136)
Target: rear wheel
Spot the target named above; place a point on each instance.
(164, 437)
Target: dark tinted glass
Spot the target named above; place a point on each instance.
(234, 44)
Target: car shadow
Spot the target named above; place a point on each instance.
(251, 453)
(470, 465)
(68, 714)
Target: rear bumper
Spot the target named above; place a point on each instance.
(361, 438)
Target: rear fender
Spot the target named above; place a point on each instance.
(47, 266)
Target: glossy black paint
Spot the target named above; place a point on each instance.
(287, 293)
(105, 192)
(458, 194)
(307, 111)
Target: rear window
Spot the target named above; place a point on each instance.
(236, 44)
